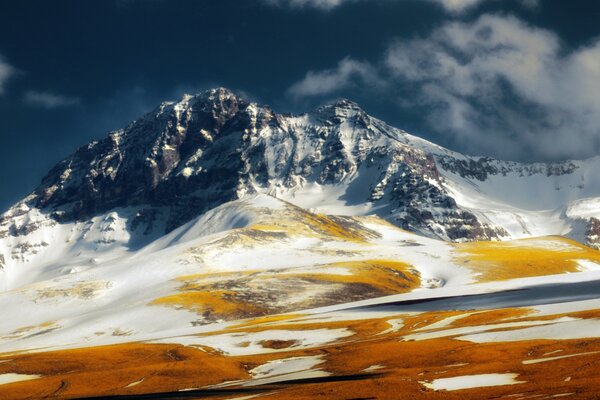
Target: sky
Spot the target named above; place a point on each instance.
(513, 79)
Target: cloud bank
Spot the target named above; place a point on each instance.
(318, 4)
(460, 6)
(49, 100)
(451, 6)
(496, 85)
(347, 73)
(6, 72)
(457, 6)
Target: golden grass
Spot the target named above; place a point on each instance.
(384, 276)
(406, 364)
(323, 223)
(168, 368)
(107, 370)
(266, 228)
(494, 261)
(216, 303)
(294, 220)
(237, 295)
(268, 320)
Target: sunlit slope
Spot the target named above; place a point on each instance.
(248, 258)
(496, 261)
(391, 348)
(261, 297)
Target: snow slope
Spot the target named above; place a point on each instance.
(282, 293)
(252, 257)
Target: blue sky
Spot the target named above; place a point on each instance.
(516, 79)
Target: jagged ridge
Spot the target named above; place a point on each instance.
(187, 157)
(214, 147)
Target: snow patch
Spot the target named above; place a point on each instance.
(12, 378)
(472, 381)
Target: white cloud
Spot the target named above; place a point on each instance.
(49, 100)
(503, 85)
(457, 6)
(460, 6)
(451, 6)
(348, 72)
(6, 72)
(318, 4)
(530, 3)
(495, 86)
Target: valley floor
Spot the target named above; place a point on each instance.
(383, 349)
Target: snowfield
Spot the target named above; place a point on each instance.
(262, 279)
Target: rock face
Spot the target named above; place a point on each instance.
(592, 234)
(185, 158)
(214, 147)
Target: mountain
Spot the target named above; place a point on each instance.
(216, 247)
(185, 158)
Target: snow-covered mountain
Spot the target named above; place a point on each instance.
(185, 158)
(215, 244)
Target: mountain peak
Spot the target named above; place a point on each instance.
(339, 110)
(217, 94)
(216, 98)
(207, 99)
(214, 146)
(340, 104)
(346, 104)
